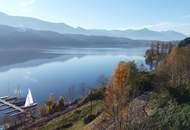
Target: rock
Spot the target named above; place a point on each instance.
(136, 110)
(64, 126)
(89, 119)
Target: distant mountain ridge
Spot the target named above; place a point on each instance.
(142, 34)
(18, 38)
(37, 24)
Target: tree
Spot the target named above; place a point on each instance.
(175, 69)
(120, 91)
(51, 103)
(61, 103)
(149, 56)
(157, 53)
(44, 110)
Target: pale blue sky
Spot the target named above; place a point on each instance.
(106, 14)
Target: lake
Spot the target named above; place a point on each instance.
(59, 71)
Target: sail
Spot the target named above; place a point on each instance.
(29, 100)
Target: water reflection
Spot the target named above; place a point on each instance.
(56, 75)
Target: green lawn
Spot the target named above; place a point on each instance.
(76, 117)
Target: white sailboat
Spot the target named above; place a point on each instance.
(29, 99)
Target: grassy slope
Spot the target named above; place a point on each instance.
(76, 117)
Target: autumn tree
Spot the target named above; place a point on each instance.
(44, 110)
(157, 52)
(60, 103)
(51, 104)
(175, 70)
(48, 106)
(120, 91)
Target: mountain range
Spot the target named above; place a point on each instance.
(19, 38)
(37, 24)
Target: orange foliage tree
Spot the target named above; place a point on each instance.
(120, 90)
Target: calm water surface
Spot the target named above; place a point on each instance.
(73, 68)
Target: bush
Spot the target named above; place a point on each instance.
(181, 94)
(93, 95)
(44, 110)
(61, 103)
(169, 114)
(184, 43)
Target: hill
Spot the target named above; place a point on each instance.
(37, 24)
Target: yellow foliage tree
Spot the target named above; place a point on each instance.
(118, 91)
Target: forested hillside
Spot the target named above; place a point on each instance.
(139, 99)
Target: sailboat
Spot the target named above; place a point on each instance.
(29, 100)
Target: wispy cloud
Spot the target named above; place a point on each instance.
(24, 5)
(16, 6)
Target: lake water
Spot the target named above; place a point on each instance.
(71, 69)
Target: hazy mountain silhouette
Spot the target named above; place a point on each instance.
(19, 38)
(143, 34)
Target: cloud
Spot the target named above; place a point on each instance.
(17, 6)
(24, 5)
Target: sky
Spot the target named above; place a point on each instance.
(159, 15)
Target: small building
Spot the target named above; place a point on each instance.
(15, 111)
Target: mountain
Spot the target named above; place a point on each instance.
(28, 22)
(142, 34)
(37, 24)
(19, 38)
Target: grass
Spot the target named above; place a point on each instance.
(75, 117)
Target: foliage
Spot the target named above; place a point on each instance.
(167, 88)
(145, 82)
(122, 88)
(60, 104)
(168, 113)
(75, 117)
(50, 106)
(157, 52)
(44, 110)
(176, 71)
(95, 94)
(185, 42)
